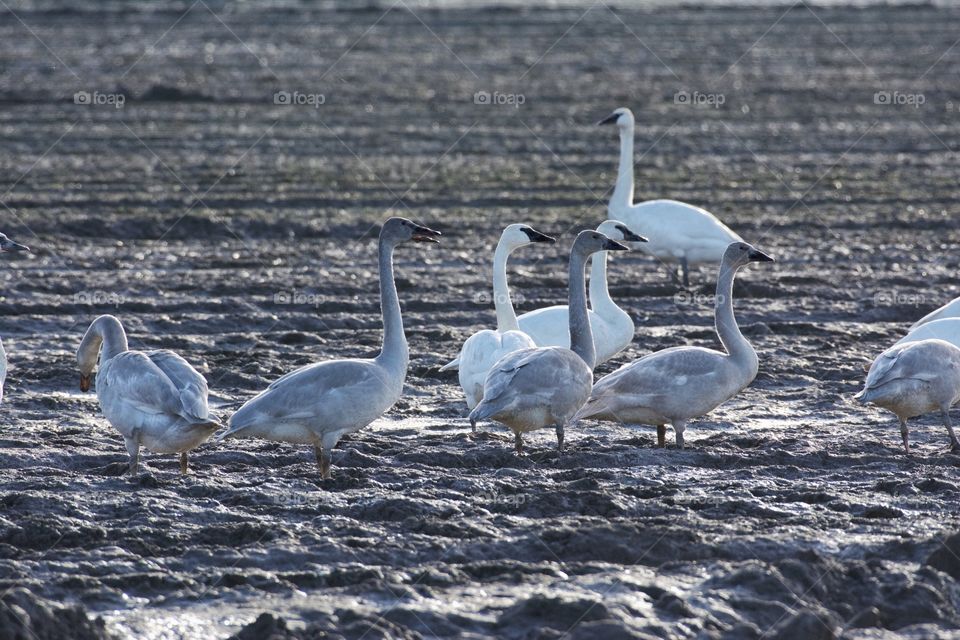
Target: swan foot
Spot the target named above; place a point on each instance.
(184, 470)
(473, 426)
(323, 461)
(954, 443)
(678, 429)
(905, 434)
(518, 443)
(661, 436)
(560, 439)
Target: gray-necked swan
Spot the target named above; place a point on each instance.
(678, 232)
(612, 327)
(481, 350)
(913, 379)
(7, 246)
(319, 403)
(545, 386)
(154, 399)
(675, 385)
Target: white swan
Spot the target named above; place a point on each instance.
(679, 232)
(678, 384)
(949, 310)
(153, 398)
(481, 350)
(913, 379)
(543, 386)
(612, 327)
(7, 246)
(945, 329)
(319, 403)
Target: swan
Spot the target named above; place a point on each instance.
(913, 379)
(154, 399)
(947, 329)
(675, 385)
(612, 327)
(949, 310)
(543, 386)
(484, 348)
(7, 246)
(319, 403)
(679, 232)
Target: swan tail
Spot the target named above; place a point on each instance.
(593, 407)
(864, 397)
(453, 365)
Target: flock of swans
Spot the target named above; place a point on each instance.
(533, 371)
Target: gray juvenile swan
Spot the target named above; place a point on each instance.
(153, 398)
(7, 246)
(915, 378)
(319, 403)
(534, 388)
(675, 385)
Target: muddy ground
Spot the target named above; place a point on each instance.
(241, 233)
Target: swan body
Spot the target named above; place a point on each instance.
(612, 327)
(319, 403)
(545, 386)
(949, 310)
(481, 350)
(675, 385)
(679, 233)
(913, 379)
(155, 399)
(7, 246)
(947, 329)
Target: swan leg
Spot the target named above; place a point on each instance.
(323, 461)
(685, 268)
(954, 444)
(183, 464)
(905, 434)
(678, 428)
(133, 449)
(473, 426)
(518, 443)
(661, 435)
(559, 438)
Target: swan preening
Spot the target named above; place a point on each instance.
(545, 386)
(913, 379)
(319, 403)
(481, 350)
(612, 327)
(7, 246)
(675, 385)
(679, 232)
(154, 399)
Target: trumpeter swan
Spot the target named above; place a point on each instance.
(913, 379)
(154, 399)
(678, 232)
(319, 403)
(612, 327)
(675, 385)
(543, 386)
(481, 350)
(7, 246)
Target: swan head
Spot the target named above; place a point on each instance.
(621, 117)
(7, 245)
(589, 242)
(515, 236)
(398, 230)
(741, 253)
(619, 231)
(105, 327)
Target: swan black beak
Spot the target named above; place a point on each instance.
(613, 245)
(425, 234)
(630, 236)
(84, 383)
(536, 236)
(11, 246)
(759, 256)
(610, 119)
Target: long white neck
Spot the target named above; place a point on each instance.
(506, 316)
(394, 352)
(600, 300)
(733, 341)
(581, 336)
(623, 191)
(105, 337)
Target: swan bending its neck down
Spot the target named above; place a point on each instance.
(7, 246)
(679, 232)
(484, 348)
(612, 327)
(154, 399)
(543, 386)
(915, 378)
(675, 385)
(319, 403)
